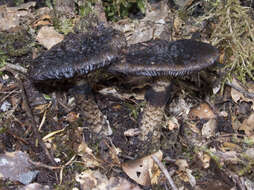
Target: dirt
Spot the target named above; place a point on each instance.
(36, 120)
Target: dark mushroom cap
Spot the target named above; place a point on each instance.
(160, 57)
(78, 54)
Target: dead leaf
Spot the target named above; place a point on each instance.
(89, 160)
(72, 116)
(229, 156)
(94, 180)
(184, 172)
(228, 146)
(192, 179)
(35, 186)
(248, 125)
(48, 37)
(15, 166)
(249, 153)
(205, 159)
(182, 164)
(172, 123)
(42, 21)
(209, 127)
(203, 111)
(178, 24)
(238, 96)
(132, 132)
(10, 16)
(140, 170)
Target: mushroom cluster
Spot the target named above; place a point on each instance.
(80, 54)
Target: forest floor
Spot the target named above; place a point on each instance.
(207, 130)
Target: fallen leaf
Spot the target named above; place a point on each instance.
(249, 153)
(203, 111)
(172, 123)
(72, 116)
(132, 132)
(228, 146)
(192, 179)
(248, 125)
(48, 37)
(230, 156)
(94, 180)
(182, 164)
(205, 159)
(89, 160)
(238, 96)
(35, 186)
(140, 170)
(15, 166)
(10, 16)
(43, 20)
(208, 129)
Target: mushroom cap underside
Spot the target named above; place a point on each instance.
(160, 57)
(78, 54)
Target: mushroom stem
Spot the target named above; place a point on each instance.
(152, 117)
(90, 112)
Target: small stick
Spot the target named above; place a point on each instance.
(164, 170)
(35, 129)
(242, 90)
(9, 66)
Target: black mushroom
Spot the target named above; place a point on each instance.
(162, 58)
(78, 54)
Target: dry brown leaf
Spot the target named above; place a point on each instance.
(209, 127)
(43, 20)
(203, 111)
(248, 125)
(72, 116)
(182, 164)
(191, 178)
(132, 132)
(89, 160)
(178, 23)
(238, 96)
(140, 170)
(194, 128)
(229, 156)
(172, 123)
(48, 37)
(205, 159)
(94, 180)
(249, 154)
(10, 16)
(184, 172)
(15, 166)
(35, 186)
(228, 146)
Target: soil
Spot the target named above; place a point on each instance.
(50, 125)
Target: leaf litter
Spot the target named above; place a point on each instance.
(194, 141)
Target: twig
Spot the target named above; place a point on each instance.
(165, 171)
(41, 165)
(34, 128)
(242, 90)
(14, 67)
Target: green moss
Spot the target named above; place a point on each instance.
(118, 9)
(63, 25)
(233, 35)
(16, 44)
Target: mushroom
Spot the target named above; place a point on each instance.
(78, 54)
(162, 58)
